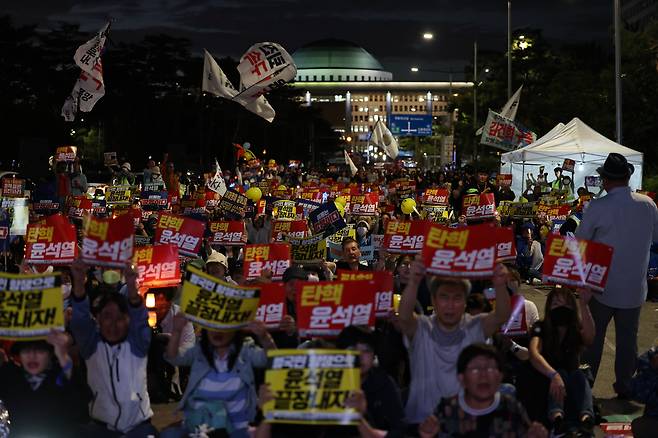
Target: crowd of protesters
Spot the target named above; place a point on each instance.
(438, 366)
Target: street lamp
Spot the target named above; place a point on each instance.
(428, 36)
(414, 69)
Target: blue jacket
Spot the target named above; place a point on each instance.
(644, 386)
(250, 356)
(116, 374)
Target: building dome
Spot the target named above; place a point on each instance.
(337, 60)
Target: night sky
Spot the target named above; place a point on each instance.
(390, 30)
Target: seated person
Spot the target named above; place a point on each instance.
(644, 389)
(479, 409)
(530, 258)
(555, 346)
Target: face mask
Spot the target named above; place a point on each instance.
(361, 231)
(562, 316)
(66, 290)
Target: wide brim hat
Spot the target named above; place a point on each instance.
(616, 167)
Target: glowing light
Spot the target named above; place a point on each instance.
(150, 301)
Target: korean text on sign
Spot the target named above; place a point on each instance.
(30, 305)
(481, 206)
(157, 266)
(460, 252)
(215, 304)
(184, 232)
(383, 282)
(228, 233)
(53, 242)
(272, 305)
(405, 237)
(108, 242)
(363, 205)
(308, 250)
(576, 262)
(311, 386)
(274, 257)
(324, 309)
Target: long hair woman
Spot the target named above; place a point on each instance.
(556, 344)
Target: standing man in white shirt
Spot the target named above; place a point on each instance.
(628, 222)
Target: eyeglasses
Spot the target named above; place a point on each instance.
(482, 370)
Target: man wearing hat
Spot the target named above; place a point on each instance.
(217, 266)
(628, 222)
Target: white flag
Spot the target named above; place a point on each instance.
(238, 174)
(265, 67)
(215, 82)
(88, 55)
(509, 109)
(382, 137)
(217, 183)
(350, 163)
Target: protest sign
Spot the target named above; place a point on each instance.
(184, 232)
(482, 206)
(118, 195)
(153, 201)
(516, 324)
(108, 241)
(326, 220)
(576, 262)
(306, 206)
(66, 153)
(215, 304)
(460, 252)
(274, 257)
(519, 210)
(593, 181)
(53, 241)
(233, 204)
(505, 246)
(110, 159)
(568, 165)
(308, 250)
(504, 133)
(405, 237)
(311, 386)
(272, 305)
(79, 206)
(384, 284)
(30, 305)
(504, 179)
(335, 241)
(288, 229)
(228, 233)
(13, 187)
(326, 308)
(285, 210)
(158, 186)
(157, 266)
(363, 205)
(435, 197)
(99, 208)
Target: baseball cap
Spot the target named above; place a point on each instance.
(217, 257)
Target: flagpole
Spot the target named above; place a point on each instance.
(618, 100)
(509, 49)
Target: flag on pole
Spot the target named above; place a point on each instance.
(89, 87)
(350, 163)
(217, 183)
(263, 68)
(382, 137)
(509, 109)
(215, 82)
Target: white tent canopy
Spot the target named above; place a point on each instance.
(575, 141)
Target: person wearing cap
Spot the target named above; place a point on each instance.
(628, 222)
(123, 176)
(217, 266)
(38, 390)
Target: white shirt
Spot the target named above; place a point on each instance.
(629, 223)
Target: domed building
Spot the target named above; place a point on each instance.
(354, 90)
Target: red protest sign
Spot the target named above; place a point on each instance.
(326, 308)
(52, 241)
(576, 262)
(363, 205)
(66, 153)
(460, 252)
(79, 206)
(384, 283)
(108, 242)
(228, 233)
(504, 179)
(311, 194)
(481, 206)
(184, 232)
(435, 197)
(13, 187)
(505, 246)
(294, 229)
(405, 237)
(274, 257)
(157, 265)
(272, 304)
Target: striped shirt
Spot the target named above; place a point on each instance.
(222, 385)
